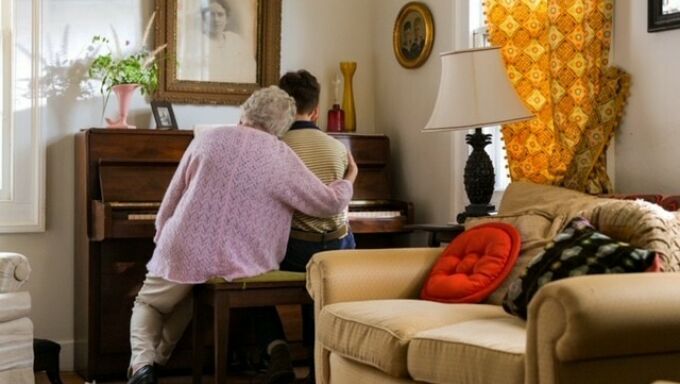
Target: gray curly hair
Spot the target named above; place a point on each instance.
(270, 109)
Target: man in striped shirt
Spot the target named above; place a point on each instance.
(327, 158)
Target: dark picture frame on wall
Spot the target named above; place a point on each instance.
(663, 15)
(218, 51)
(163, 115)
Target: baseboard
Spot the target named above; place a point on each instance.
(66, 355)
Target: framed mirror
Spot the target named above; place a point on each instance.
(218, 51)
(663, 15)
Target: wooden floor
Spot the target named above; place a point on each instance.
(72, 378)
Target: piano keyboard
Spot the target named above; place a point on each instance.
(120, 204)
(352, 215)
(373, 214)
(141, 216)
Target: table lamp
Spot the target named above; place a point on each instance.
(474, 92)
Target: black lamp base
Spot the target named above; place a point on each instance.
(475, 210)
(479, 177)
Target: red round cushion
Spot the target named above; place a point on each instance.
(474, 264)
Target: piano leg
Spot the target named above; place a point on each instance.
(198, 338)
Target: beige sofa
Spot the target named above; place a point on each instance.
(371, 328)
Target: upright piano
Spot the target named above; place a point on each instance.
(376, 219)
(121, 176)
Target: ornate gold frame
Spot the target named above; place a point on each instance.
(424, 12)
(204, 92)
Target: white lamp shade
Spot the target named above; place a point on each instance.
(474, 92)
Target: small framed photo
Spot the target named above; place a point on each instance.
(413, 35)
(663, 15)
(163, 115)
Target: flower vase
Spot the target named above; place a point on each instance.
(348, 68)
(124, 95)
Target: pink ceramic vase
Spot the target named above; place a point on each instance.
(124, 95)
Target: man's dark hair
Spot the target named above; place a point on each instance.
(303, 87)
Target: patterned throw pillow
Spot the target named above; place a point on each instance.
(578, 250)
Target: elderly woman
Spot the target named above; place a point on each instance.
(227, 212)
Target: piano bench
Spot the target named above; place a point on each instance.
(220, 296)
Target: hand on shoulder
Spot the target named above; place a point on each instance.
(352, 169)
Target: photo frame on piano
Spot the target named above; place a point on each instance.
(163, 115)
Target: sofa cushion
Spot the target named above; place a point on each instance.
(16, 344)
(14, 306)
(377, 332)
(536, 231)
(576, 251)
(477, 351)
(474, 264)
(346, 370)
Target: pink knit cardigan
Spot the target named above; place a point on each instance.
(228, 209)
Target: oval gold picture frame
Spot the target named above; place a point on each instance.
(413, 35)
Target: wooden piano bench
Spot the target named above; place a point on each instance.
(219, 296)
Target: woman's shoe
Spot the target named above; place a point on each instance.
(144, 375)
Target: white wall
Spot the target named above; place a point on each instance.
(647, 142)
(421, 162)
(316, 35)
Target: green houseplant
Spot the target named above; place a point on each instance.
(123, 73)
(135, 68)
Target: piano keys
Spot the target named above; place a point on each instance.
(131, 191)
(377, 220)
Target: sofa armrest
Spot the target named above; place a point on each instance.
(352, 275)
(602, 317)
(14, 271)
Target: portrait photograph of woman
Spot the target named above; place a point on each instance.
(217, 41)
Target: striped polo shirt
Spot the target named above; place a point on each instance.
(327, 159)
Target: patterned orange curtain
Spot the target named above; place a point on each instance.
(556, 54)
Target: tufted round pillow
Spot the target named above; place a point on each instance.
(474, 264)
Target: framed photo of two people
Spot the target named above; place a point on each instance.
(413, 35)
(218, 51)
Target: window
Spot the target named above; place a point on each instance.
(479, 35)
(5, 97)
(21, 149)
